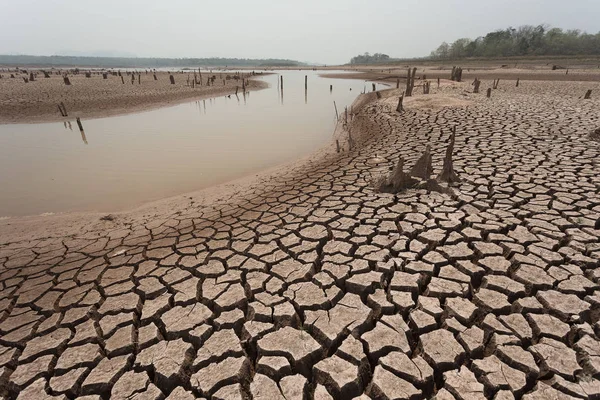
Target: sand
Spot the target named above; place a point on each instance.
(94, 97)
(392, 73)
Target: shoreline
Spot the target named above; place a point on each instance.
(91, 98)
(69, 223)
(233, 191)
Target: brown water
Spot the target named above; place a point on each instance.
(127, 160)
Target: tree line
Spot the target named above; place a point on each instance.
(368, 58)
(125, 62)
(525, 40)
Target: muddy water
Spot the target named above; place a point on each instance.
(120, 162)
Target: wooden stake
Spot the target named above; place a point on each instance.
(337, 117)
(588, 94)
(172, 78)
(489, 92)
(79, 124)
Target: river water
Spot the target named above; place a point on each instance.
(124, 161)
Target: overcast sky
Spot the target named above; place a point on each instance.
(325, 31)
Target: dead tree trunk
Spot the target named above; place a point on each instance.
(476, 84)
(46, 74)
(104, 75)
(62, 109)
(426, 86)
(448, 174)
(410, 82)
(400, 107)
(423, 167)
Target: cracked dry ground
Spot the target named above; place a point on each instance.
(313, 286)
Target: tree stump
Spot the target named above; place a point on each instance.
(423, 168)
(489, 92)
(172, 79)
(67, 81)
(476, 84)
(400, 107)
(79, 124)
(62, 109)
(397, 181)
(31, 77)
(448, 174)
(410, 82)
(588, 94)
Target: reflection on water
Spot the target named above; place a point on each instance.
(131, 159)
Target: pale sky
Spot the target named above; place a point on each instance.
(323, 31)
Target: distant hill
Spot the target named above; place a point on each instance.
(128, 62)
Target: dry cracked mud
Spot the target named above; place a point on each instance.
(313, 286)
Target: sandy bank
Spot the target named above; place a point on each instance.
(392, 73)
(94, 97)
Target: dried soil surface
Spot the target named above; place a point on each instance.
(94, 97)
(306, 284)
